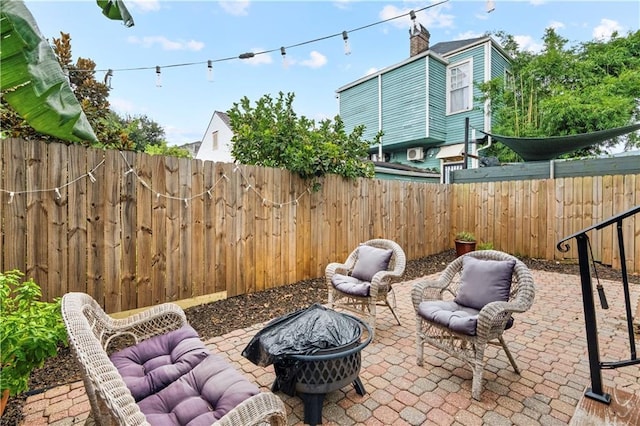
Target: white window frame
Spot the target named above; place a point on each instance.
(509, 81)
(468, 86)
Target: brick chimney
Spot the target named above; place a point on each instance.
(419, 40)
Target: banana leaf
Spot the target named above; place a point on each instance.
(115, 9)
(32, 80)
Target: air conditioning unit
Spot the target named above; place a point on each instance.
(415, 154)
(374, 157)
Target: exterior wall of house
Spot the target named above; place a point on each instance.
(359, 105)
(404, 110)
(437, 92)
(222, 154)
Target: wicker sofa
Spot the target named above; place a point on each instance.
(186, 383)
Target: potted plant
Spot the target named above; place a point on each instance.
(31, 332)
(465, 242)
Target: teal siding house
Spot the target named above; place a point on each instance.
(422, 103)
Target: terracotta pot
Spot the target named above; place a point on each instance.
(463, 247)
(3, 402)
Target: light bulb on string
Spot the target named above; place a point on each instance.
(158, 77)
(210, 70)
(412, 15)
(285, 63)
(491, 6)
(107, 78)
(347, 48)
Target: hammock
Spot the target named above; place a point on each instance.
(542, 149)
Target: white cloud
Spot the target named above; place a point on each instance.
(179, 136)
(316, 60)
(526, 43)
(144, 6)
(538, 2)
(264, 58)
(166, 44)
(236, 7)
(370, 71)
(605, 29)
(342, 4)
(467, 35)
(123, 106)
(429, 18)
(556, 25)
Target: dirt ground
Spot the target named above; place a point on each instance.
(238, 312)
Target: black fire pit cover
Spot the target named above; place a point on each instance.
(302, 332)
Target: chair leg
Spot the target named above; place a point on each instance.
(419, 343)
(478, 370)
(391, 305)
(511, 359)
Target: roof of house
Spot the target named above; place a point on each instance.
(445, 47)
(224, 117)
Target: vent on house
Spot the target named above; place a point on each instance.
(415, 154)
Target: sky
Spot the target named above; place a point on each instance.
(182, 36)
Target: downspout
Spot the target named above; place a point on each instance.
(380, 157)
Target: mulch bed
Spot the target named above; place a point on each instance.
(220, 317)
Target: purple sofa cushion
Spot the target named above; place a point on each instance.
(152, 364)
(351, 285)
(200, 397)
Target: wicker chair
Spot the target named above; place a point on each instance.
(378, 290)
(492, 319)
(90, 333)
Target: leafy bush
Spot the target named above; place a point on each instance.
(485, 245)
(31, 330)
(465, 236)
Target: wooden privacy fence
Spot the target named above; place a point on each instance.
(134, 230)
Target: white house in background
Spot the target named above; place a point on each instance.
(216, 142)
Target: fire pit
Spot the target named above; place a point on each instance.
(306, 369)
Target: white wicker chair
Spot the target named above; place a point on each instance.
(91, 331)
(492, 319)
(380, 290)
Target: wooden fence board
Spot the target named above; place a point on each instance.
(37, 217)
(159, 236)
(95, 228)
(13, 217)
(197, 226)
(56, 207)
(186, 229)
(128, 224)
(111, 235)
(144, 244)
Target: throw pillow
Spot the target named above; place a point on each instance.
(370, 260)
(484, 281)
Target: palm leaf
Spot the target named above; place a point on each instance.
(32, 80)
(115, 9)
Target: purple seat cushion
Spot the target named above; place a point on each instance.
(152, 364)
(451, 315)
(351, 285)
(484, 281)
(200, 397)
(370, 260)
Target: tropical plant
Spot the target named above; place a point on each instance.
(33, 82)
(270, 134)
(465, 236)
(31, 330)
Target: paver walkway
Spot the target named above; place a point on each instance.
(547, 342)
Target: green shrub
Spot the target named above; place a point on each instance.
(485, 245)
(31, 330)
(465, 236)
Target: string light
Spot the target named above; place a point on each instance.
(249, 55)
(107, 78)
(412, 15)
(491, 6)
(283, 52)
(210, 70)
(347, 48)
(158, 77)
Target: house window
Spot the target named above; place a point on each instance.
(508, 80)
(459, 90)
(214, 138)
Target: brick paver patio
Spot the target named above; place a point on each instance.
(548, 343)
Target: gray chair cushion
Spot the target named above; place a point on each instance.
(451, 315)
(370, 260)
(484, 281)
(351, 285)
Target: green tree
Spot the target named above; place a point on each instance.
(270, 134)
(163, 149)
(143, 131)
(567, 90)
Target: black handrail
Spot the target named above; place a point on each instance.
(595, 365)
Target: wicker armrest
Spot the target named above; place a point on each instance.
(335, 268)
(262, 408)
(427, 290)
(493, 318)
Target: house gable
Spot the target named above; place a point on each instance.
(216, 141)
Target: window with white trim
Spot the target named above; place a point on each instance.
(459, 87)
(508, 80)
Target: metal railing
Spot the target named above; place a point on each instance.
(596, 366)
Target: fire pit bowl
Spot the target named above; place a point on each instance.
(314, 351)
(322, 372)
